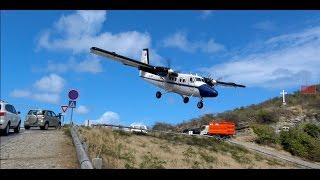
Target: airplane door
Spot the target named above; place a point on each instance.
(167, 85)
(191, 84)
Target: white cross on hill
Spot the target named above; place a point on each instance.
(283, 97)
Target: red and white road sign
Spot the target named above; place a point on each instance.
(64, 108)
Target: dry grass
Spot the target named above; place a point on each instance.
(156, 150)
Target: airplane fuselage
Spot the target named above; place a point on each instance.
(186, 85)
(183, 84)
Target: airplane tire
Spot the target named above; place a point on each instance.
(158, 94)
(200, 104)
(186, 99)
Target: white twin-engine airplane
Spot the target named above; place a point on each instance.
(186, 85)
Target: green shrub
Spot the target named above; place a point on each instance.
(207, 157)
(122, 133)
(188, 154)
(299, 143)
(241, 157)
(266, 134)
(67, 131)
(161, 126)
(312, 130)
(264, 116)
(130, 159)
(152, 162)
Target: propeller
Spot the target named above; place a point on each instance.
(167, 70)
(212, 82)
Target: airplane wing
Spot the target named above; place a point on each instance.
(229, 84)
(125, 60)
(158, 70)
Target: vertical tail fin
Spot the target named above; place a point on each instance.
(144, 59)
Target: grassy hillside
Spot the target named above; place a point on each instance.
(266, 120)
(299, 108)
(157, 150)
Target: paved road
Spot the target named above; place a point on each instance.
(5, 139)
(276, 154)
(37, 149)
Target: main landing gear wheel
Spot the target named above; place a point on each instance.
(186, 99)
(158, 94)
(200, 104)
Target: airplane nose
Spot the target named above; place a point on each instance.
(207, 91)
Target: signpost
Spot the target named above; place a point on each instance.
(73, 95)
(64, 109)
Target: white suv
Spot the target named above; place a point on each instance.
(139, 129)
(9, 118)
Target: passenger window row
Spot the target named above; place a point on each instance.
(181, 80)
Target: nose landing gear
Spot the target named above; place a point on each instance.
(186, 99)
(200, 103)
(158, 94)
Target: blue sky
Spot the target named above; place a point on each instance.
(44, 54)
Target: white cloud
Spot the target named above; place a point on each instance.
(80, 31)
(108, 117)
(205, 13)
(81, 23)
(52, 83)
(46, 97)
(91, 64)
(46, 89)
(20, 93)
(42, 97)
(180, 40)
(281, 61)
(82, 109)
(265, 26)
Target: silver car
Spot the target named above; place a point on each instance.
(43, 119)
(9, 118)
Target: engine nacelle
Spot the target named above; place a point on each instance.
(209, 81)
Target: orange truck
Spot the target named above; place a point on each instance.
(219, 129)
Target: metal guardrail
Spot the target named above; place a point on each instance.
(83, 159)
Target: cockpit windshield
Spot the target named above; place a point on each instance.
(199, 79)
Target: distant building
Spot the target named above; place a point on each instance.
(308, 89)
(88, 123)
